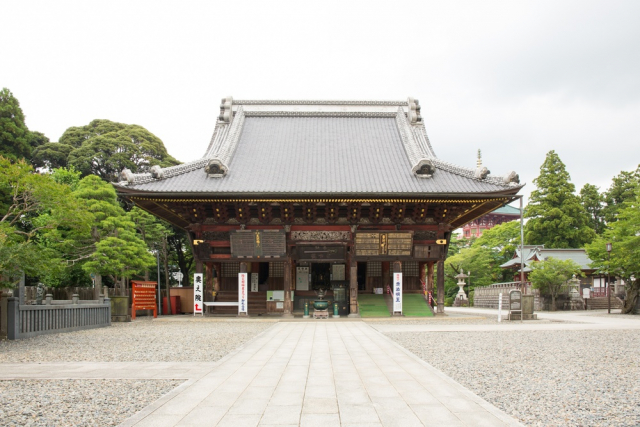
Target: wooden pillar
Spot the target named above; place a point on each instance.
(199, 266)
(386, 277)
(353, 288)
(288, 306)
(430, 276)
(208, 281)
(440, 284)
(217, 267)
(423, 276)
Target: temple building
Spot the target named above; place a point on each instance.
(309, 195)
(478, 226)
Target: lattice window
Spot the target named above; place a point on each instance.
(276, 269)
(374, 269)
(410, 269)
(230, 269)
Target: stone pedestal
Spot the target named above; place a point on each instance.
(320, 314)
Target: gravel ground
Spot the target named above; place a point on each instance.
(139, 341)
(109, 402)
(77, 402)
(542, 378)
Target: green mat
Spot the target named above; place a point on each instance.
(373, 306)
(414, 305)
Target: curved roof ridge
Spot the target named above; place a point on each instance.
(420, 133)
(228, 145)
(219, 134)
(468, 172)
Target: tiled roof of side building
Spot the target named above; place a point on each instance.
(507, 210)
(287, 151)
(579, 256)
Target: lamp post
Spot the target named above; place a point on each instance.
(609, 247)
(159, 293)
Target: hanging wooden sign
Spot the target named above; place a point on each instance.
(258, 244)
(387, 244)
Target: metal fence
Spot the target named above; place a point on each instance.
(25, 321)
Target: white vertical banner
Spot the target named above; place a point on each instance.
(197, 293)
(242, 293)
(500, 307)
(397, 293)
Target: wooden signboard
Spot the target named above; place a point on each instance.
(258, 244)
(386, 244)
(324, 253)
(143, 297)
(427, 251)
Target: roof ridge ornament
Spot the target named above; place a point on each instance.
(127, 175)
(215, 169)
(481, 171)
(413, 111)
(157, 172)
(512, 178)
(226, 110)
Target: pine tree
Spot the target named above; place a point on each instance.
(557, 219)
(622, 189)
(593, 203)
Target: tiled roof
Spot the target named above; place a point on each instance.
(579, 256)
(507, 210)
(290, 150)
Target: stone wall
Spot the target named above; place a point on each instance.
(487, 296)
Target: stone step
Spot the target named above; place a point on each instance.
(602, 303)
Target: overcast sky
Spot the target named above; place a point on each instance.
(512, 78)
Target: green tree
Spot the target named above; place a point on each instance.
(181, 253)
(119, 253)
(551, 275)
(622, 189)
(478, 260)
(150, 229)
(557, 219)
(593, 203)
(51, 155)
(624, 235)
(31, 222)
(113, 247)
(503, 239)
(15, 137)
(104, 148)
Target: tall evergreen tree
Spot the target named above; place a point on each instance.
(15, 139)
(593, 203)
(622, 189)
(557, 219)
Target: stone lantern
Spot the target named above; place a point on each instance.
(575, 300)
(461, 282)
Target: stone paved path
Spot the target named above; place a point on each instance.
(298, 374)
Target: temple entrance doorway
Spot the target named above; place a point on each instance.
(320, 275)
(362, 276)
